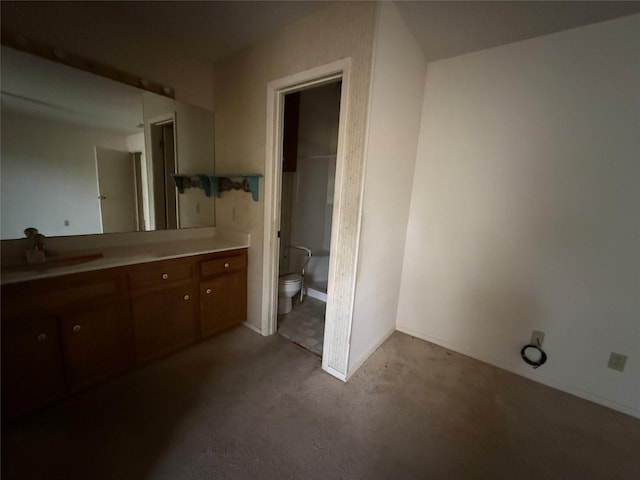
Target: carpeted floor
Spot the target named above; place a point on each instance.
(241, 406)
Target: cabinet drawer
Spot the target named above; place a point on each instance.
(223, 265)
(53, 294)
(160, 275)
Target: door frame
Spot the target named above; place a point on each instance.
(150, 159)
(339, 311)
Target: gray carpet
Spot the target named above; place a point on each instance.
(244, 406)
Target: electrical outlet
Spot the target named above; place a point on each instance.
(617, 361)
(66, 223)
(537, 338)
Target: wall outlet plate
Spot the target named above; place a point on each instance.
(617, 361)
(537, 338)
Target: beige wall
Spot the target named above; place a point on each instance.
(195, 153)
(87, 29)
(525, 209)
(394, 119)
(312, 205)
(339, 31)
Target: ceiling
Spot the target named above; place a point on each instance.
(207, 29)
(213, 29)
(449, 29)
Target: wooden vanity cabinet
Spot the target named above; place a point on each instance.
(223, 292)
(95, 328)
(59, 335)
(164, 307)
(62, 334)
(95, 343)
(32, 367)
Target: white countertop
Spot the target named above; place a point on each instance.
(122, 255)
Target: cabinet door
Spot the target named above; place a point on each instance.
(164, 321)
(32, 368)
(223, 302)
(94, 347)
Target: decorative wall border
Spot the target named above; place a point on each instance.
(40, 49)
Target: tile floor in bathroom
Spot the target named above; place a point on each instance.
(304, 325)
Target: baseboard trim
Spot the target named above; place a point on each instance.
(335, 373)
(317, 294)
(354, 368)
(251, 327)
(523, 373)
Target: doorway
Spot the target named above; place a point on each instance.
(345, 220)
(310, 138)
(162, 194)
(117, 173)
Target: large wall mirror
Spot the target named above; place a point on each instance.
(82, 154)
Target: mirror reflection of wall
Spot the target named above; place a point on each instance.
(77, 155)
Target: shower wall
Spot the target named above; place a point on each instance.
(307, 193)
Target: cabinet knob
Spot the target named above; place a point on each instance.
(226, 265)
(76, 328)
(187, 297)
(165, 276)
(208, 291)
(42, 337)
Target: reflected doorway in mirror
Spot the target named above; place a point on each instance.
(119, 192)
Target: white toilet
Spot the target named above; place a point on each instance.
(288, 286)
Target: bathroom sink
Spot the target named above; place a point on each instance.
(54, 261)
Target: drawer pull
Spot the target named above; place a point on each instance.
(76, 328)
(187, 297)
(208, 291)
(226, 265)
(42, 337)
(165, 276)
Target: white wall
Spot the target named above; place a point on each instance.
(394, 119)
(309, 209)
(525, 211)
(312, 202)
(49, 176)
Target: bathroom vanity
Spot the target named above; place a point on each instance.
(132, 269)
(62, 332)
